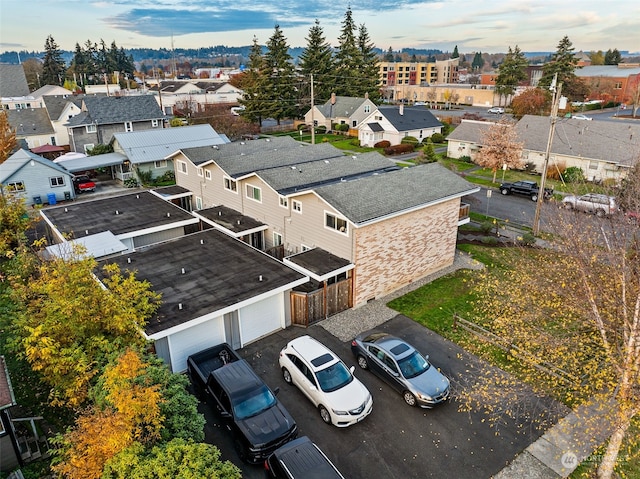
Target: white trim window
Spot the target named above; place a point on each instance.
(198, 203)
(154, 123)
(15, 186)
(200, 172)
(254, 193)
(230, 184)
(128, 126)
(160, 164)
(284, 201)
(277, 239)
(336, 223)
(207, 174)
(88, 147)
(181, 166)
(56, 181)
(296, 206)
(91, 128)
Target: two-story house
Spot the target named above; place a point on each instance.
(102, 116)
(382, 226)
(341, 110)
(393, 123)
(194, 95)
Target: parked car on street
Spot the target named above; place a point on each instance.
(402, 367)
(300, 459)
(581, 117)
(527, 188)
(601, 205)
(341, 399)
(496, 109)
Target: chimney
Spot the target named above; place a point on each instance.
(401, 109)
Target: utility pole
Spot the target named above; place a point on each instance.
(313, 123)
(554, 117)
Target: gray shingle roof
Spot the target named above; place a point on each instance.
(344, 106)
(13, 81)
(107, 110)
(55, 104)
(411, 118)
(29, 122)
(153, 145)
(20, 158)
(374, 197)
(470, 131)
(303, 176)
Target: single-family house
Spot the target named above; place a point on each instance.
(134, 221)
(215, 288)
(13, 87)
(393, 123)
(576, 143)
(340, 110)
(35, 179)
(147, 151)
(61, 108)
(103, 116)
(33, 127)
(385, 225)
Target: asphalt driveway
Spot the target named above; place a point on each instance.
(395, 441)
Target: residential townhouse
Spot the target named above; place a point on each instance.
(194, 95)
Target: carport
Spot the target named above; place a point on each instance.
(88, 163)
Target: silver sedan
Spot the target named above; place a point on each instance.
(402, 367)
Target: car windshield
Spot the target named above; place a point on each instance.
(413, 365)
(334, 377)
(253, 403)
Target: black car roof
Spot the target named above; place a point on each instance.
(237, 378)
(304, 460)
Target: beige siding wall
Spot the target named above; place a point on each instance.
(393, 253)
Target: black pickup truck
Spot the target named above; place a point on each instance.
(249, 409)
(526, 188)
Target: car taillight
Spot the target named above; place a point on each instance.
(266, 465)
(353, 343)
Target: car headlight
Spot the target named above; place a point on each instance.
(339, 413)
(424, 397)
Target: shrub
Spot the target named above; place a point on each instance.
(175, 122)
(557, 171)
(100, 149)
(466, 159)
(437, 138)
(486, 226)
(530, 167)
(527, 239)
(573, 174)
(382, 144)
(396, 149)
(130, 183)
(321, 129)
(409, 140)
(303, 127)
(342, 127)
(489, 240)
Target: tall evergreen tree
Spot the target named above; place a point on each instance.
(53, 67)
(317, 59)
(512, 71)
(455, 53)
(389, 55)
(612, 57)
(478, 62)
(253, 97)
(369, 68)
(347, 58)
(564, 63)
(279, 79)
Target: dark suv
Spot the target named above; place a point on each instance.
(300, 459)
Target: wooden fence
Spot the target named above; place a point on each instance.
(307, 308)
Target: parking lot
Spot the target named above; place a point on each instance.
(395, 441)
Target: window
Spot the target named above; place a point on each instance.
(200, 172)
(91, 128)
(618, 86)
(154, 123)
(277, 239)
(367, 108)
(207, 174)
(296, 206)
(56, 181)
(230, 185)
(253, 193)
(284, 202)
(160, 163)
(198, 203)
(15, 186)
(53, 140)
(88, 147)
(128, 126)
(181, 166)
(305, 248)
(335, 223)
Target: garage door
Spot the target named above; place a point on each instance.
(194, 339)
(262, 318)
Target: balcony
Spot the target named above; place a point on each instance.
(463, 214)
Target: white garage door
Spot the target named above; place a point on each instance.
(194, 339)
(260, 319)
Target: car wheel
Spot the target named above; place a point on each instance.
(504, 191)
(568, 206)
(324, 414)
(287, 376)
(599, 213)
(534, 197)
(362, 362)
(409, 398)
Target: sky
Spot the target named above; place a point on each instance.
(471, 25)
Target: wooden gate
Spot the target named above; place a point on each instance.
(307, 308)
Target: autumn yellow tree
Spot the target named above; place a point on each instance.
(8, 141)
(500, 146)
(69, 323)
(571, 316)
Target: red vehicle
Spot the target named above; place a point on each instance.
(82, 183)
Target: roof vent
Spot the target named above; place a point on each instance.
(168, 215)
(138, 197)
(238, 221)
(219, 213)
(65, 210)
(182, 271)
(201, 241)
(128, 260)
(179, 305)
(117, 212)
(326, 161)
(86, 232)
(260, 278)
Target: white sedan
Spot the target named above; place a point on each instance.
(341, 399)
(581, 117)
(496, 109)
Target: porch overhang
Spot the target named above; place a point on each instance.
(318, 264)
